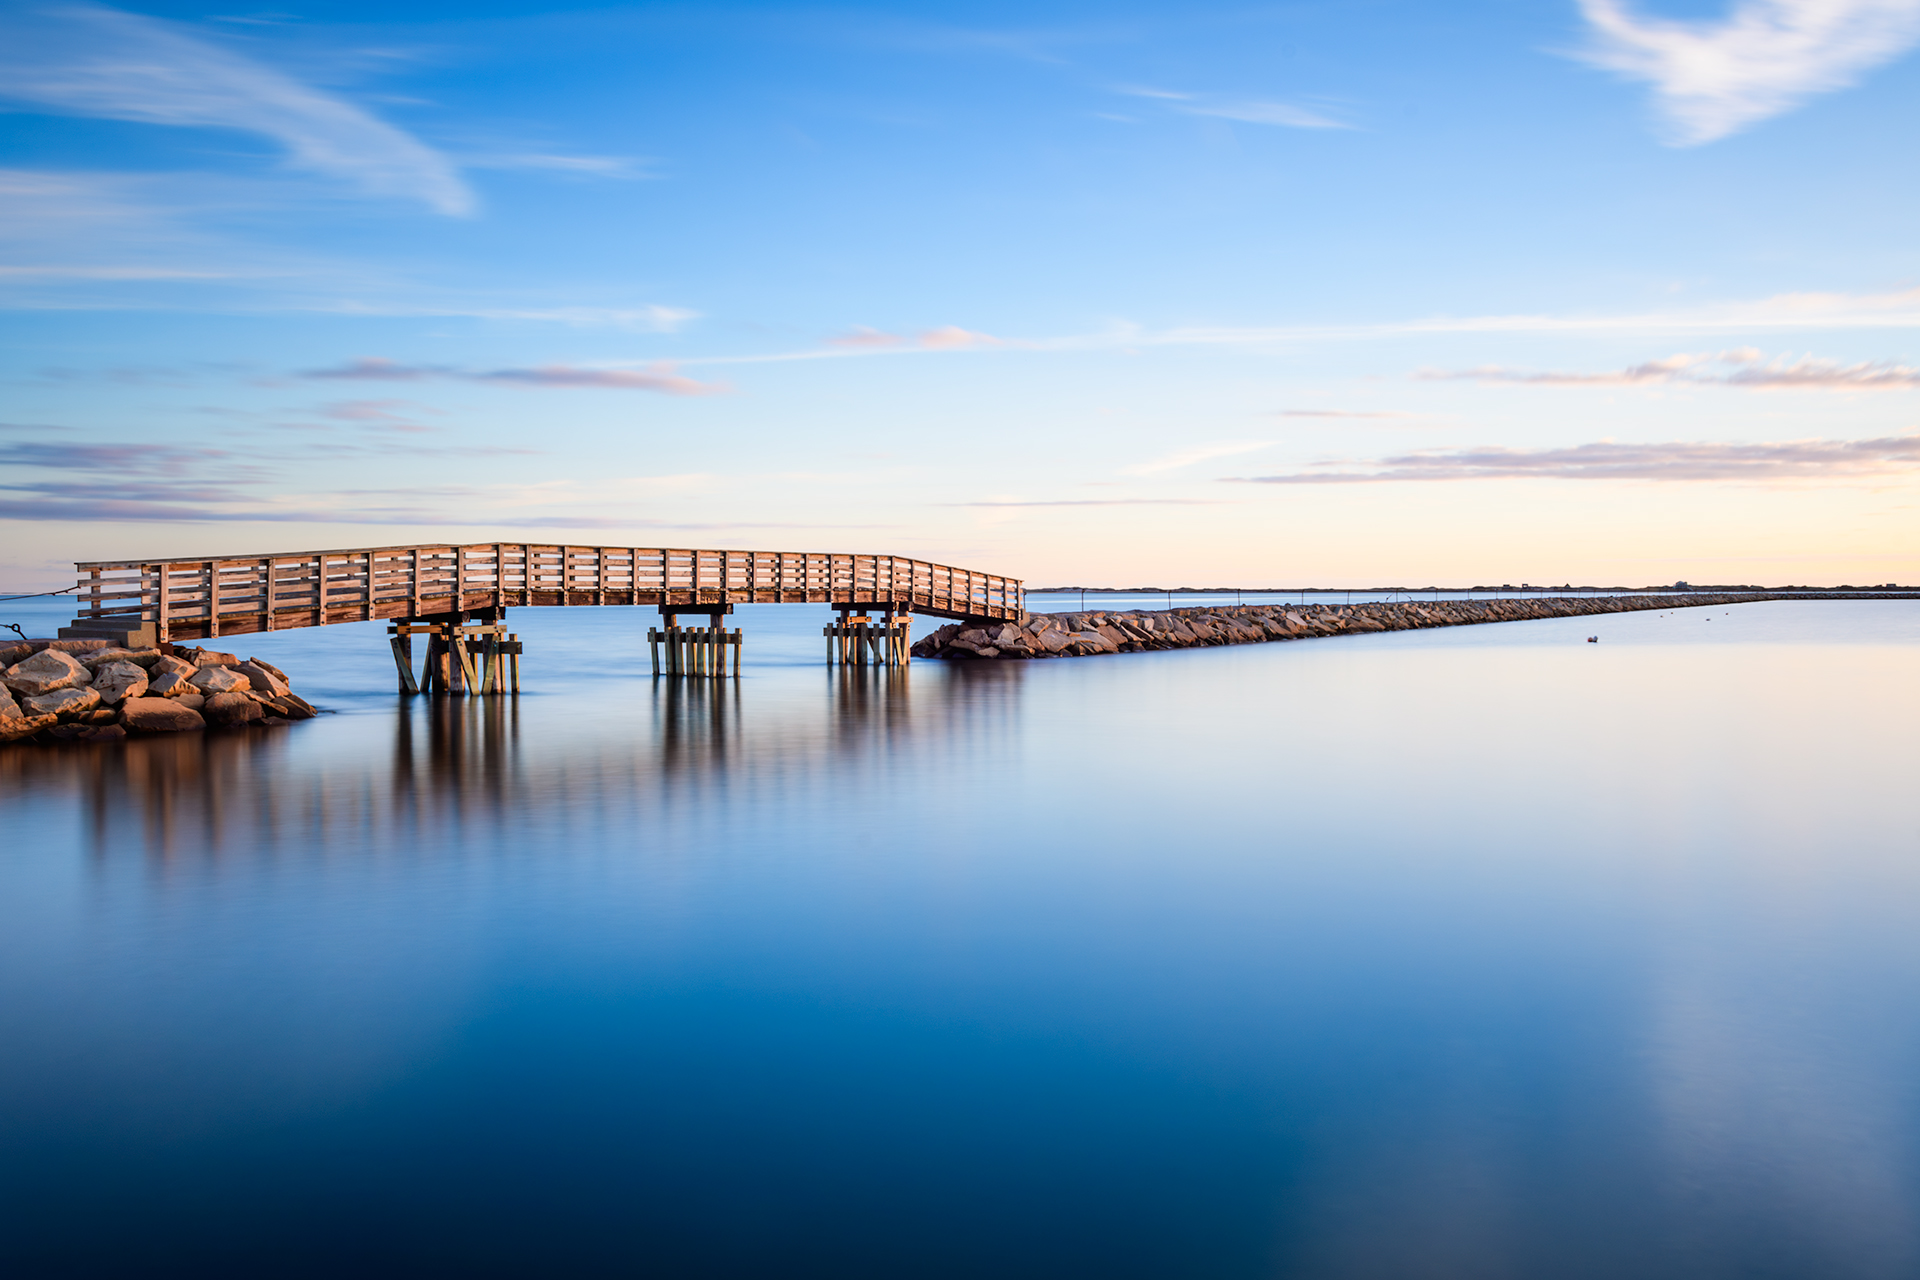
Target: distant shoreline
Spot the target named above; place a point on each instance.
(1528, 588)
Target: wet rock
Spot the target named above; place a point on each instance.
(61, 702)
(114, 681)
(159, 715)
(105, 733)
(45, 672)
(13, 728)
(230, 709)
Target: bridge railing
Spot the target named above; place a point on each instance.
(208, 596)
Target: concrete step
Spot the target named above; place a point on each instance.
(131, 635)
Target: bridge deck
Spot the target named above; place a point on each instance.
(203, 597)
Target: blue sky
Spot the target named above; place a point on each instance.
(1358, 293)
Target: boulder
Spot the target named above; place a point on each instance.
(229, 709)
(298, 707)
(114, 681)
(62, 702)
(143, 658)
(167, 664)
(13, 728)
(45, 672)
(159, 715)
(278, 674)
(284, 705)
(264, 679)
(76, 647)
(102, 715)
(9, 709)
(216, 678)
(193, 699)
(105, 733)
(170, 685)
(208, 658)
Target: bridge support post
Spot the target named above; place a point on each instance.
(698, 652)
(858, 639)
(468, 654)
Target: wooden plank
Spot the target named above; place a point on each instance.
(323, 588)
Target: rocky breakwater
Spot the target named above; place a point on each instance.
(1072, 635)
(89, 690)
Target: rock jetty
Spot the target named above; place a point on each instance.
(93, 691)
(1073, 635)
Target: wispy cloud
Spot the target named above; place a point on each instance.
(950, 337)
(860, 337)
(1285, 115)
(953, 338)
(1742, 367)
(1187, 457)
(117, 458)
(658, 376)
(1344, 413)
(628, 167)
(1099, 502)
(647, 319)
(1607, 460)
(1790, 312)
(89, 60)
(1714, 78)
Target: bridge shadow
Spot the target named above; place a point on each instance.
(440, 772)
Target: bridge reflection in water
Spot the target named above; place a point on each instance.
(447, 772)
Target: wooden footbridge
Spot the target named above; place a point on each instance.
(456, 593)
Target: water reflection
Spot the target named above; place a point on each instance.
(451, 768)
(1400, 956)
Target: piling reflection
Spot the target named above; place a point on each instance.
(445, 769)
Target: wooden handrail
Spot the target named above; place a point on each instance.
(198, 597)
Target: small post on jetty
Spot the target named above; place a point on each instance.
(695, 652)
(468, 654)
(856, 639)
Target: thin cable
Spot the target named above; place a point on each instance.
(38, 594)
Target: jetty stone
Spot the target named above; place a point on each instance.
(231, 709)
(263, 678)
(214, 679)
(159, 715)
(170, 685)
(62, 702)
(45, 672)
(117, 680)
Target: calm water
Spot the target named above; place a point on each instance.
(1472, 953)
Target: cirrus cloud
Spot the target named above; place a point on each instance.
(1743, 367)
(1610, 460)
(658, 376)
(89, 60)
(1712, 79)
